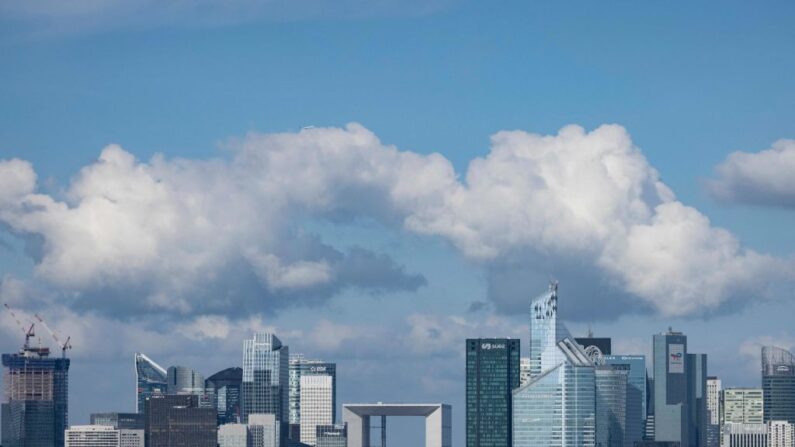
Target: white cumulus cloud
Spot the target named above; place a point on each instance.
(761, 178)
(175, 225)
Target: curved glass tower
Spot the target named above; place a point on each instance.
(778, 384)
(150, 379)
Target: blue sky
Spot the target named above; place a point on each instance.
(691, 83)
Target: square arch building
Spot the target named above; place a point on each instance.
(438, 421)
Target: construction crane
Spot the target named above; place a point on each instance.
(63, 345)
(29, 332)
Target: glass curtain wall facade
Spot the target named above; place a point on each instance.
(223, 391)
(558, 407)
(492, 372)
(636, 394)
(611, 405)
(184, 380)
(302, 367)
(265, 380)
(671, 412)
(778, 384)
(178, 421)
(150, 378)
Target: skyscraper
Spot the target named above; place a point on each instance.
(744, 435)
(778, 384)
(636, 394)
(103, 436)
(178, 421)
(265, 379)
(680, 391)
(780, 434)
(492, 372)
(233, 435)
(743, 406)
(557, 407)
(316, 405)
(184, 380)
(302, 367)
(611, 405)
(332, 436)
(223, 390)
(713, 409)
(35, 411)
(150, 380)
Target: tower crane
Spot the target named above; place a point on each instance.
(63, 345)
(29, 332)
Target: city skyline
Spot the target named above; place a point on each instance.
(375, 182)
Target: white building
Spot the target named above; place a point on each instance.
(780, 434)
(743, 406)
(524, 370)
(263, 430)
(317, 405)
(102, 436)
(233, 435)
(713, 399)
(744, 435)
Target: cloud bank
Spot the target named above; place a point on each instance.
(764, 178)
(203, 236)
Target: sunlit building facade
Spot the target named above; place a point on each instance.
(778, 384)
(265, 380)
(150, 378)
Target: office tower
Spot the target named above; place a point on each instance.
(127, 421)
(744, 435)
(103, 436)
(150, 380)
(679, 391)
(233, 435)
(301, 367)
(331, 436)
(778, 384)
(183, 380)
(557, 407)
(714, 389)
(178, 421)
(524, 370)
(316, 405)
(492, 372)
(603, 344)
(696, 365)
(36, 396)
(265, 431)
(780, 434)
(636, 394)
(612, 385)
(223, 391)
(545, 331)
(713, 411)
(743, 405)
(265, 380)
(648, 434)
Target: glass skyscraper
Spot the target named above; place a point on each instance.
(150, 378)
(492, 372)
(35, 411)
(778, 384)
(636, 393)
(178, 421)
(184, 380)
(557, 407)
(611, 405)
(223, 391)
(265, 380)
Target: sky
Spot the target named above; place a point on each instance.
(377, 181)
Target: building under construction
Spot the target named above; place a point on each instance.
(35, 402)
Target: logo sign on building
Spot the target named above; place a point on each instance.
(489, 346)
(676, 358)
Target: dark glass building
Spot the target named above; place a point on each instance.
(150, 378)
(178, 421)
(492, 373)
(119, 421)
(35, 411)
(603, 343)
(223, 388)
(778, 384)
